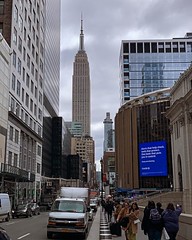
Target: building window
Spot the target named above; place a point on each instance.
(15, 36)
(140, 47)
(20, 45)
(40, 114)
(11, 133)
(16, 136)
(24, 54)
(38, 168)
(27, 100)
(35, 109)
(133, 47)
(33, 31)
(27, 80)
(25, 14)
(18, 88)
(32, 86)
(15, 12)
(29, 42)
(13, 82)
(15, 160)
(31, 105)
(147, 47)
(17, 109)
(32, 69)
(26, 118)
(154, 47)
(20, 23)
(12, 105)
(39, 150)
(23, 93)
(28, 61)
(182, 46)
(19, 66)
(40, 98)
(175, 47)
(10, 158)
(29, 23)
(14, 58)
(25, 34)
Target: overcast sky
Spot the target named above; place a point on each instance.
(106, 24)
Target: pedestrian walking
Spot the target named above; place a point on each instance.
(132, 227)
(123, 214)
(171, 220)
(109, 208)
(118, 208)
(152, 223)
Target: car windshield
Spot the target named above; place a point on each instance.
(21, 206)
(93, 201)
(68, 206)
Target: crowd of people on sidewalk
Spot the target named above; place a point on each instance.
(157, 223)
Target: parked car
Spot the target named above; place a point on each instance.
(91, 214)
(3, 234)
(35, 208)
(22, 210)
(93, 204)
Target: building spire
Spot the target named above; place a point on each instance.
(81, 44)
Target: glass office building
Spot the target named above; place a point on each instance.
(150, 65)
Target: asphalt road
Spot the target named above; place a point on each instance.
(34, 228)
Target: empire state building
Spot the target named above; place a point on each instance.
(81, 88)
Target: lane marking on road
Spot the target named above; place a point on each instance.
(24, 236)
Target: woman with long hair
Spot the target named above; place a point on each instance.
(131, 230)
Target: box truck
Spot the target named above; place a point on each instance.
(70, 212)
(5, 207)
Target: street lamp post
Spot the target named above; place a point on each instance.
(101, 162)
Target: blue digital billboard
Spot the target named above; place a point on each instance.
(153, 159)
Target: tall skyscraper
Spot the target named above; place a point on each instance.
(108, 132)
(22, 26)
(52, 81)
(81, 87)
(150, 65)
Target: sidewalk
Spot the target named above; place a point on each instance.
(97, 229)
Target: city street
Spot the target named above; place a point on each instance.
(34, 228)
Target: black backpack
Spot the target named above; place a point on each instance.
(124, 222)
(155, 216)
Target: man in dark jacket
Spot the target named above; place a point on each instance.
(109, 208)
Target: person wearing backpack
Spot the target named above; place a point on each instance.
(152, 223)
(171, 220)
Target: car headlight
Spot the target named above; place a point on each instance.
(51, 221)
(81, 222)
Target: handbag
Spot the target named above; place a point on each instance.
(165, 235)
(137, 221)
(124, 222)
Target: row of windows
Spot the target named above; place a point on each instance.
(13, 161)
(25, 117)
(30, 84)
(154, 47)
(26, 56)
(14, 135)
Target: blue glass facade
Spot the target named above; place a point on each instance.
(147, 66)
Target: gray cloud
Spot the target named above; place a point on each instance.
(106, 23)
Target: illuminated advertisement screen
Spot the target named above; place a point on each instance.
(153, 159)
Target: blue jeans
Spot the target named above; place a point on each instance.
(154, 234)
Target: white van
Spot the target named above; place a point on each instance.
(5, 207)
